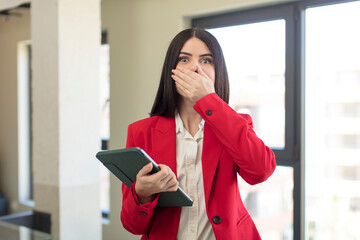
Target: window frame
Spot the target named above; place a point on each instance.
(105, 214)
(293, 153)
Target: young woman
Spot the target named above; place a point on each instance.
(201, 145)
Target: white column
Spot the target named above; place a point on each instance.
(65, 68)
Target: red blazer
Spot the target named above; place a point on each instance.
(230, 147)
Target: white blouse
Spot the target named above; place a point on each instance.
(194, 223)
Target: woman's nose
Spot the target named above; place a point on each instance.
(194, 66)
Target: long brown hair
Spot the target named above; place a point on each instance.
(166, 100)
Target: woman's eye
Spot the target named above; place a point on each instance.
(206, 61)
(183, 59)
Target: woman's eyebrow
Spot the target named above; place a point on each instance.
(202, 55)
(185, 53)
(206, 55)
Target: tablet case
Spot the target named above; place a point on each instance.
(126, 163)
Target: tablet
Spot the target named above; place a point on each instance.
(126, 163)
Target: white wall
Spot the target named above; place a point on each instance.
(8, 4)
(139, 33)
(12, 31)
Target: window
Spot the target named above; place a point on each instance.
(332, 132)
(270, 204)
(25, 124)
(297, 64)
(256, 46)
(255, 58)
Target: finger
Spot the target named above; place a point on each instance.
(145, 170)
(164, 185)
(168, 183)
(193, 75)
(163, 173)
(173, 187)
(181, 82)
(181, 90)
(163, 167)
(184, 74)
(170, 175)
(172, 178)
(202, 73)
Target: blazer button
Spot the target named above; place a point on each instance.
(143, 213)
(216, 220)
(208, 112)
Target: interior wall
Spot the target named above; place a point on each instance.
(139, 33)
(12, 30)
(8, 4)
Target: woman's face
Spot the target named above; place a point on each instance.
(195, 54)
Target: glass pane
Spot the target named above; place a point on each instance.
(332, 127)
(270, 204)
(255, 58)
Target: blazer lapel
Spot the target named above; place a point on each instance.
(164, 142)
(212, 149)
(164, 150)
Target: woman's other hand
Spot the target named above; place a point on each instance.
(192, 85)
(147, 185)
